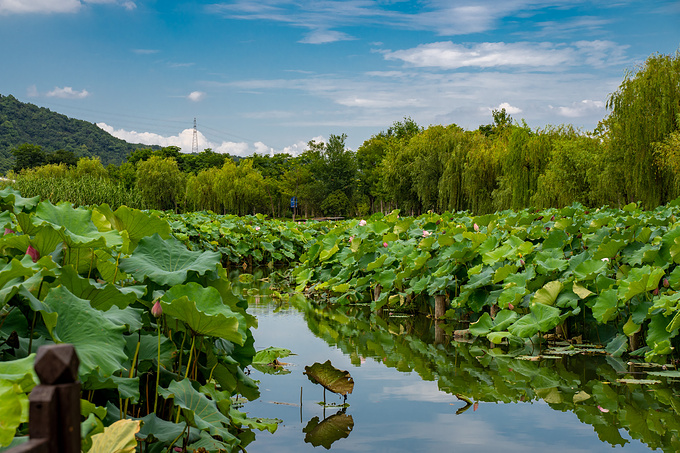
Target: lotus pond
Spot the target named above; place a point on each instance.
(417, 389)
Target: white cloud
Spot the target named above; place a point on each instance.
(39, 6)
(196, 96)
(54, 6)
(67, 93)
(509, 109)
(184, 141)
(325, 36)
(32, 92)
(582, 108)
(543, 55)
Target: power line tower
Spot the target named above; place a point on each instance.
(194, 141)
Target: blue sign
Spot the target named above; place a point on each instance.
(293, 202)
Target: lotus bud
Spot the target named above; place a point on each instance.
(350, 239)
(8, 231)
(666, 283)
(656, 291)
(33, 253)
(511, 307)
(385, 244)
(552, 219)
(157, 310)
(362, 222)
(521, 262)
(475, 227)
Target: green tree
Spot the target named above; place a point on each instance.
(644, 110)
(161, 183)
(28, 156)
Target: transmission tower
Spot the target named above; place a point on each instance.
(194, 141)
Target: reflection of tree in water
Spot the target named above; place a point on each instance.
(604, 392)
(333, 428)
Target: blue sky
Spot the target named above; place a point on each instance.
(269, 75)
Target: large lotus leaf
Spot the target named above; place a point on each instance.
(12, 404)
(136, 223)
(98, 342)
(74, 225)
(117, 438)
(202, 309)
(163, 430)
(101, 296)
(606, 306)
(20, 372)
(548, 294)
(325, 374)
(167, 262)
(198, 409)
(127, 387)
(542, 318)
(11, 200)
(335, 427)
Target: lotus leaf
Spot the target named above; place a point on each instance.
(98, 341)
(202, 309)
(12, 403)
(11, 200)
(198, 409)
(541, 319)
(167, 262)
(117, 438)
(74, 225)
(337, 381)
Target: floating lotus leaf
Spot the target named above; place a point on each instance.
(167, 261)
(541, 319)
(337, 381)
(331, 429)
(204, 312)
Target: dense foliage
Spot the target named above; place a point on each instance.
(159, 332)
(22, 123)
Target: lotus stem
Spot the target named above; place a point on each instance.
(132, 370)
(158, 367)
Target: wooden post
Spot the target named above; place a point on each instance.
(54, 405)
(439, 306)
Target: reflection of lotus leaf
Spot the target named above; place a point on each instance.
(333, 428)
(337, 381)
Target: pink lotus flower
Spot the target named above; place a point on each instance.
(257, 228)
(8, 231)
(426, 233)
(33, 253)
(475, 227)
(384, 244)
(157, 310)
(362, 222)
(350, 239)
(602, 409)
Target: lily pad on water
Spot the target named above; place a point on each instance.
(337, 381)
(335, 427)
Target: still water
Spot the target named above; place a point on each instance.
(411, 394)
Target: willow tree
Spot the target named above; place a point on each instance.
(161, 183)
(644, 111)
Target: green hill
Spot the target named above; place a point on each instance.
(27, 123)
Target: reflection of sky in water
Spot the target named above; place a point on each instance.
(399, 412)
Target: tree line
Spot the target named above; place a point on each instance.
(632, 155)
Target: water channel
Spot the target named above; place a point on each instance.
(417, 390)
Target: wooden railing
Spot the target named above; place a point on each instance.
(54, 405)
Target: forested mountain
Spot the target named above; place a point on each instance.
(27, 123)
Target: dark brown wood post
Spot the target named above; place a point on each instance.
(55, 404)
(439, 306)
